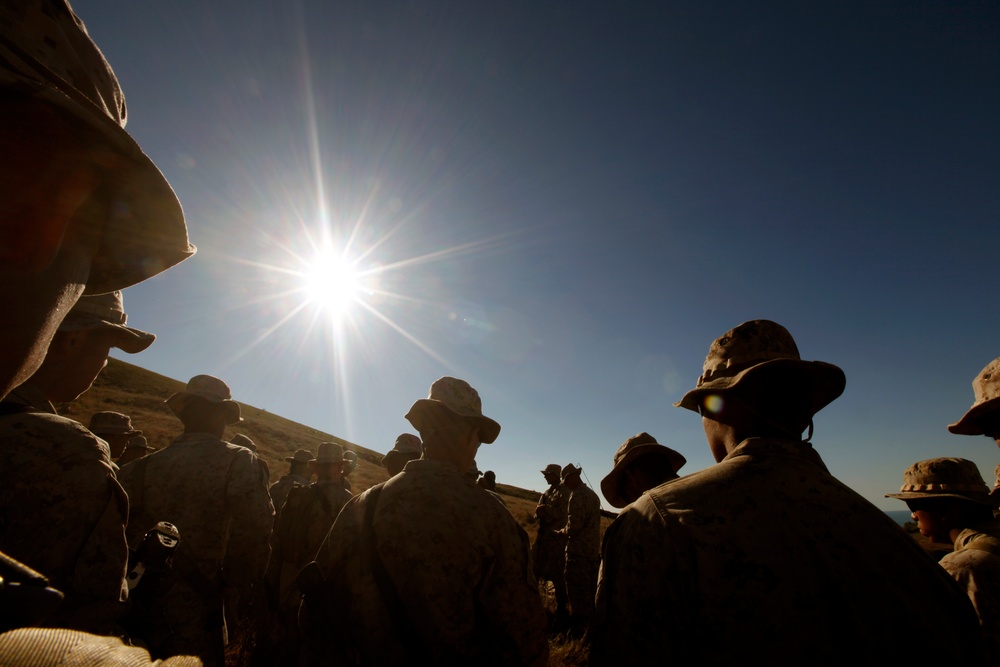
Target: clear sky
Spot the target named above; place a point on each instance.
(564, 203)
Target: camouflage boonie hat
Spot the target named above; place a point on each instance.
(641, 449)
(106, 311)
(301, 456)
(212, 389)
(757, 350)
(945, 477)
(552, 469)
(407, 446)
(458, 398)
(986, 389)
(112, 423)
(243, 441)
(351, 459)
(571, 469)
(139, 442)
(330, 452)
(47, 57)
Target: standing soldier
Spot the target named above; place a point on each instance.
(549, 551)
(136, 448)
(583, 548)
(215, 494)
(983, 418)
(115, 429)
(298, 475)
(407, 448)
(427, 568)
(641, 463)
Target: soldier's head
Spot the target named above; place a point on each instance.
(553, 474)
(205, 406)
(407, 448)
(84, 210)
(299, 462)
(946, 496)
(451, 422)
(136, 448)
(115, 429)
(755, 384)
(329, 463)
(80, 347)
(641, 463)
(571, 476)
(983, 418)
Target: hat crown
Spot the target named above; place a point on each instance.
(209, 387)
(571, 469)
(96, 310)
(944, 475)
(986, 386)
(110, 422)
(635, 441)
(301, 456)
(330, 452)
(407, 443)
(749, 344)
(458, 395)
(552, 469)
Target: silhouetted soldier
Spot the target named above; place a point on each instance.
(407, 448)
(641, 463)
(549, 550)
(583, 548)
(298, 475)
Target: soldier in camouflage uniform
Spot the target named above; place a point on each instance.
(301, 526)
(115, 429)
(428, 568)
(983, 418)
(583, 548)
(548, 553)
(298, 475)
(952, 505)
(65, 512)
(766, 558)
(406, 448)
(216, 495)
(641, 463)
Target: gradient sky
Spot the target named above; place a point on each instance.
(564, 203)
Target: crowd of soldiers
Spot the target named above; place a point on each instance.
(114, 554)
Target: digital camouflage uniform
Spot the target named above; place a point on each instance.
(62, 512)
(766, 558)
(583, 552)
(975, 565)
(216, 495)
(459, 562)
(279, 490)
(549, 551)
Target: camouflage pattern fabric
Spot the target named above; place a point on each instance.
(28, 395)
(459, 562)
(975, 565)
(279, 490)
(216, 495)
(583, 547)
(49, 647)
(766, 558)
(549, 551)
(62, 512)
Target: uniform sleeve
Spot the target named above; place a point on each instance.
(252, 517)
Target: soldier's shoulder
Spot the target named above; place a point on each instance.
(36, 435)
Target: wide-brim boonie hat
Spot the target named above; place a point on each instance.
(945, 477)
(641, 449)
(762, 352)
(330, 452)
(407, 447)
(47, 56)
(458, 398)
(106, 311)
(111, 423)
(301, 456)
(209, 388)
(986, 389)
(552, 469)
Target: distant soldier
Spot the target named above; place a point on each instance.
(115, 429)
(302, 524)
(641, 463)
(298, 475)
(952, 505)
(549, 550)
(64, 511)
(216, 495)
(489, 481)
(407, 448)
(583, 548)
(765, 557)
(136, 448)
(983, 418)
(350, 465)
(427, 568)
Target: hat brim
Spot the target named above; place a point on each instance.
(969, 423)
(147, 234)
(821, 383)
(984, 499)
(417, 415)
(612, 482)
(177, 402)
(131, 340)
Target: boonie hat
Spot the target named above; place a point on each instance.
(457, 398)
(571, 469)
(986, 389)
(552, 469)
(47, 56)
(243, 441)
(301, 456)
(407, 447)
(212, 389)
(641, 449)
(139, 442)
(945, 477)
(763, 350)
(106, 311)
(112, 423)
(330, 452)
(351, 458)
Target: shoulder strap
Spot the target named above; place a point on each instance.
(412, 642)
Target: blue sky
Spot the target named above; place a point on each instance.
(565, 203)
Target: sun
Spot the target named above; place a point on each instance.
(332, 283)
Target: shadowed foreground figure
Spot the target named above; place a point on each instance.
(766, 558)
(427, 568)
(983, 418)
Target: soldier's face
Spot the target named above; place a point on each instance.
(81, 356)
